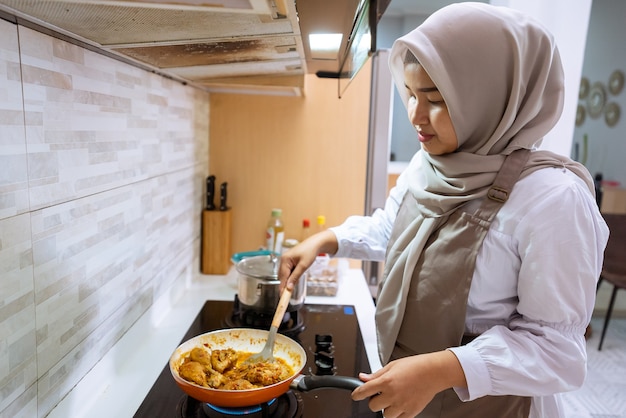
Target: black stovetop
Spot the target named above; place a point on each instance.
(339, 322)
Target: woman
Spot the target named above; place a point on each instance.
(492, 248)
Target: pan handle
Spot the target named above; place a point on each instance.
(305, 383)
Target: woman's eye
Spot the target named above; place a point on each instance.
(437, 101)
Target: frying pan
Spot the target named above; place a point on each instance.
(252, 340)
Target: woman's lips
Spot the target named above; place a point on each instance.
(424, 137)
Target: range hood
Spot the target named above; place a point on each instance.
(246, 46)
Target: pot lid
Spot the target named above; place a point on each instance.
(262, 267)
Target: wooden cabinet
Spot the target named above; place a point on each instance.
(305, 155)
(613, 200)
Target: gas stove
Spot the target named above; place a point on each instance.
(331, 337)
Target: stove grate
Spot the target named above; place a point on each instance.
(288, 405)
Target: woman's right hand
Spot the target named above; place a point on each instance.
(295, 261)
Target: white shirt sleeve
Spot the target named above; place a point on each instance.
(542, 259)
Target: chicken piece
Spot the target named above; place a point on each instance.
(192, 371)
(239, 371)
(267, 373)
(238, 384)
(200, 355)
(223, 359)
(216, 379)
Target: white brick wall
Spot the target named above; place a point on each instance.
(101, 181)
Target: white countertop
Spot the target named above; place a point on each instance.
(118, 383)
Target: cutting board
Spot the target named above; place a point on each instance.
(216, 241)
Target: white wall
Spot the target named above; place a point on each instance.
(568, 22)
(566, 19)
(605, 52)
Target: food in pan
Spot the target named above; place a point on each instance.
(227, 369)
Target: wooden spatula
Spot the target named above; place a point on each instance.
(267, 354)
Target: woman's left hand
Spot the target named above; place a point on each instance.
(404, 387)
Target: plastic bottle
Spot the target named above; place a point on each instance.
(321, 222)
(321, 225)
(306, 229)
(275, 232)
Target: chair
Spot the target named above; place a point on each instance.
(614, 266)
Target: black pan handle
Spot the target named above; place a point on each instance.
(305, 383)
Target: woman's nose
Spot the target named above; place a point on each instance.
(418, 114)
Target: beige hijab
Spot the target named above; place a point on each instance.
(500, 73)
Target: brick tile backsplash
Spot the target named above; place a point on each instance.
(103, 166)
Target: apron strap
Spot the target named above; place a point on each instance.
(503, 184)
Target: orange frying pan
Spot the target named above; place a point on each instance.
(253, 340)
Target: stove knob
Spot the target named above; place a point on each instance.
(325, 363)
(323, 342)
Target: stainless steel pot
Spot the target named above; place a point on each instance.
(258, 284)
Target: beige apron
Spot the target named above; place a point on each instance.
(435, 312)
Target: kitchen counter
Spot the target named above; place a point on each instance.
(118, 383)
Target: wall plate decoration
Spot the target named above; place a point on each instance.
(616, 82)
(596, 100)
(580, 115)
(611, 114)
(584, 88)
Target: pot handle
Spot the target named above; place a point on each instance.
(305, 383)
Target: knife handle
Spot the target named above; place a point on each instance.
(223, 195)
(210, 193)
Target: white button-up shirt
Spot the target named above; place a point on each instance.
(533, 290)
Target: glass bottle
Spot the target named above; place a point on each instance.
(275, 232)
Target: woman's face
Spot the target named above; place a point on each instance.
(428, 112)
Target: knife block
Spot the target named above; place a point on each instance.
(216, 241)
